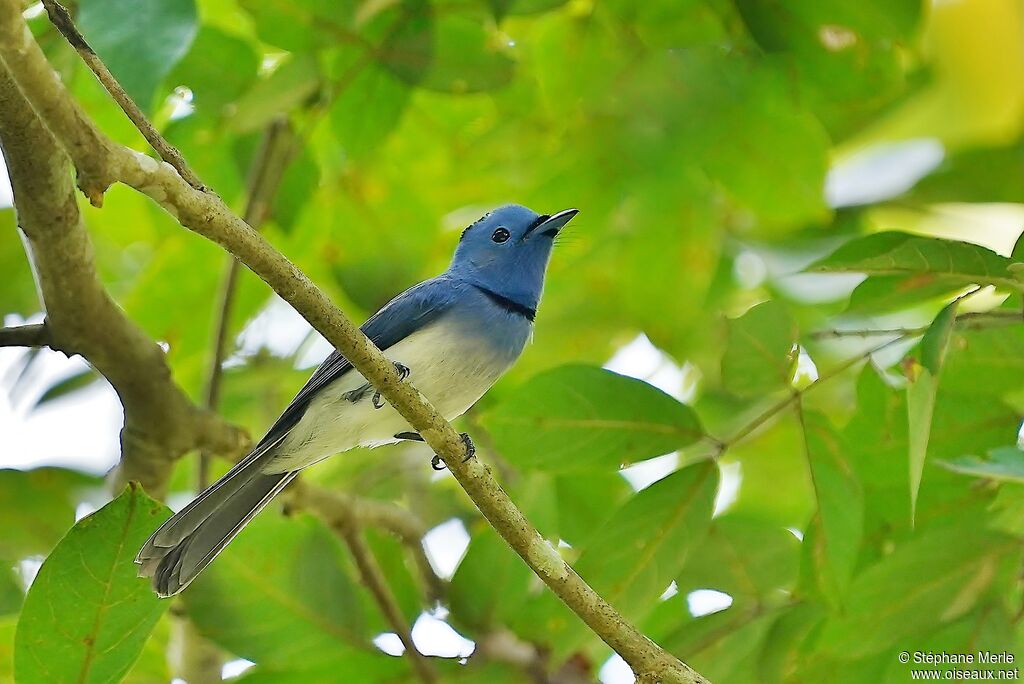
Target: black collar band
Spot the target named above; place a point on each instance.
(507, 304)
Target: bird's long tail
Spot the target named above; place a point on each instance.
(189, 541)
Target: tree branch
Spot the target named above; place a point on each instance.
(61, 19)
(338, 509)
(35, 335)
(160, 422)
(375, 581)
(207, 215)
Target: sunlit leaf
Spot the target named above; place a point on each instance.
(1005, 464)
(834, 536)
(926, 582)
(921, 391)
(743, 557)
(884, 293)
(8, 623)
(140, 42)
(88, 614)
(905, 254)
(579, 417)
(287, 87)
(68, 386)
(759, 351)
(298, 25)
(631, 567)
(368, 108)
(37, 507)
(447, 51)
(218, 68)
(281, 576)
(12, 593)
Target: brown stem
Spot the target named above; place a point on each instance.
(375, 581)
(34, 335)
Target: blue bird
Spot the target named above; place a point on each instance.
(453, 336)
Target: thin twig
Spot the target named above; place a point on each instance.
(61, 19)
(796, 394)
(375, 581)
(971, 319)
(33, 335)
(337, 509)
(264, 178)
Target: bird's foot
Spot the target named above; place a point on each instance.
(437, 464)
(357, 394)
(470, 447)
(403, 373)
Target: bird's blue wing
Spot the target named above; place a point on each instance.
(410, 311)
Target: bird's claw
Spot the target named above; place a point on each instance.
(437, 464)
(403, 372)
(470, 447)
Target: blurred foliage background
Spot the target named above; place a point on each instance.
(719, 152)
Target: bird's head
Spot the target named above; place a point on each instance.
(507, 251)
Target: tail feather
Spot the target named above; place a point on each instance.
(184, 545)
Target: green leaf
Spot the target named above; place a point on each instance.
(885, 293)
(1004, 464)
(299, 25)
(834, 536)
(582, 417)
(503, 8)
(285, 89)
(281, 576)
(743, 557)
(140, 42)
(368, 109)
(218, 68)
(87, 614)
(921, 391)
(759, 351)
(67, 386)
(931, 580)
(894, 254)
(724, 646)
(489, 563)
(366, 666)
(153, 667)
(8, 624)
(37, 507)
(12, 595)
(985, 363)
(447, 51)
(299, 182)
(981, 174)
(632, 559)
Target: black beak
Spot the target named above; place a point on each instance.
(550, 225)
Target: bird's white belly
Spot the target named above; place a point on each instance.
(453, 372)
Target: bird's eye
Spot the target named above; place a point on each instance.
(500, 235)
